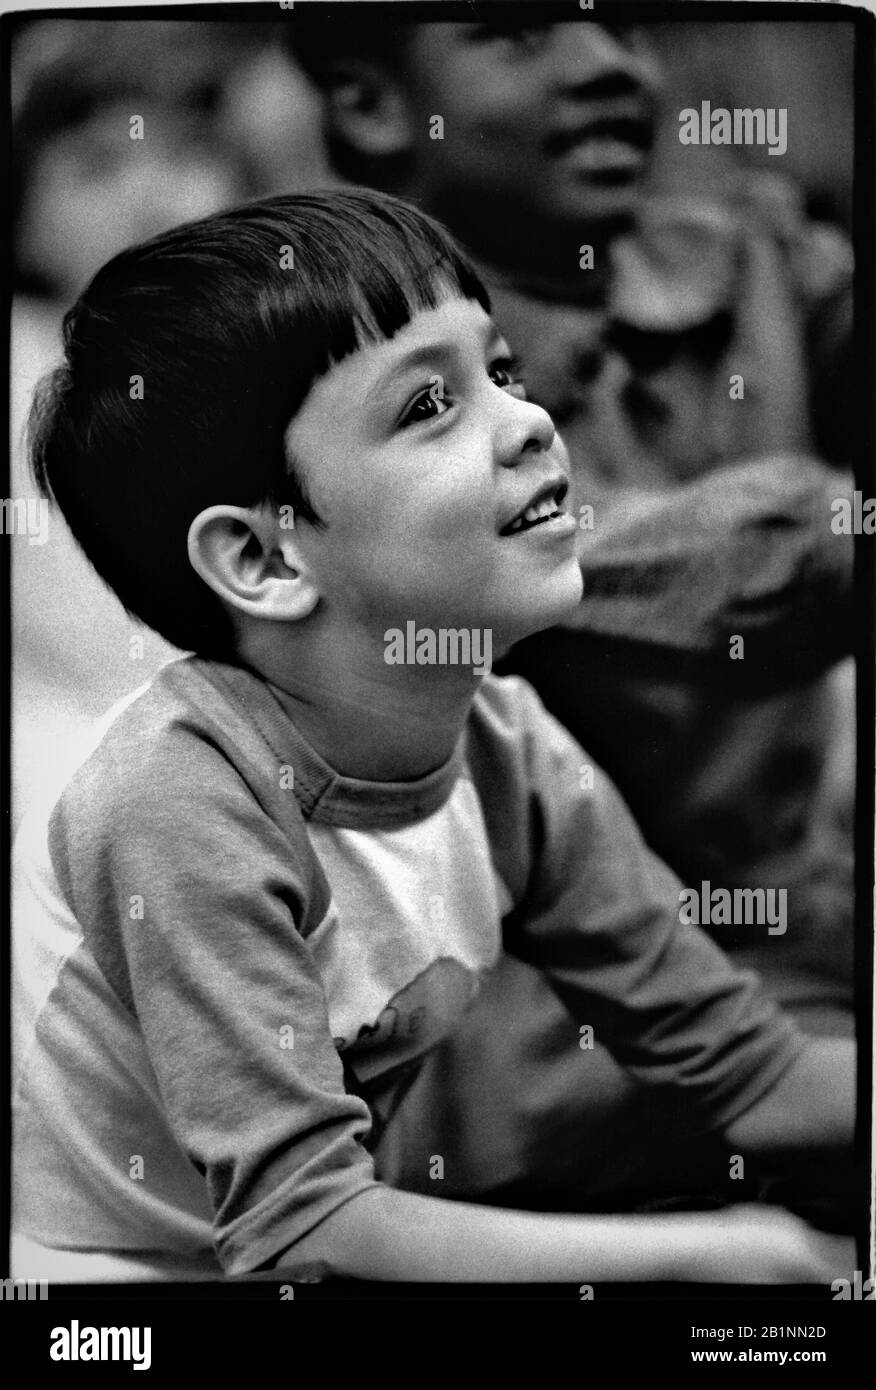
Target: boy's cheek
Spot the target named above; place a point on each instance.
(561, 454)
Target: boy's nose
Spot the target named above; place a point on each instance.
(591, 62)
(526, 428)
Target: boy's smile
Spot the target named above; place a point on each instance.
(440, 485)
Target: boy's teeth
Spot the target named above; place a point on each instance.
(535, 513)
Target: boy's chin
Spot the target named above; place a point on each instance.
(559, 603)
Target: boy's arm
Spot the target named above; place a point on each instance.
(600, 916)
(217, 970)
(389, 1235)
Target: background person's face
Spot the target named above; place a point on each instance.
(551, 124)
(94, 191)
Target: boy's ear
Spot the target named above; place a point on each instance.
(251, 562)
(368, 108)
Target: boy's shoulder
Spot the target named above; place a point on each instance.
(507, 715)
(502, 704)
(517, 752)
(185, 796)
(207, 745)
(161, 736)
(201, 740)
(200, 725)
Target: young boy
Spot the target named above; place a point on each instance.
(709, 521)
(284, 435)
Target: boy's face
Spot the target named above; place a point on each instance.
(418, 453)
(550, 124)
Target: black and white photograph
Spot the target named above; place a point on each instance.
(440, 517)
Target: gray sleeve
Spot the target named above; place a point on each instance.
(600, 917)
(205, 894)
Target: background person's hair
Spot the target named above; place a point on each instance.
(315, 41)
(228, 344)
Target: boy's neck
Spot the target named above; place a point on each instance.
(367, 720)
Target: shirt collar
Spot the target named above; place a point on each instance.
(323, 794)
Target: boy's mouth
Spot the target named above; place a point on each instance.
(543, 506)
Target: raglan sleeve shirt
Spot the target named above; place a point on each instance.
(191, 873)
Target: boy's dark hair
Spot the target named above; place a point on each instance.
(228, 344)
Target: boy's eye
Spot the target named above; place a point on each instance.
(507, 374)
(429, 404)
(436, 400)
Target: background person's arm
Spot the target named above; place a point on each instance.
(746, 550)
(810, 1107)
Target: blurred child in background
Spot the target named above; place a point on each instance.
(216, 104)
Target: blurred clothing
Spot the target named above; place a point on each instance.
(747, 549)
(711, 521)
(635, 365)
